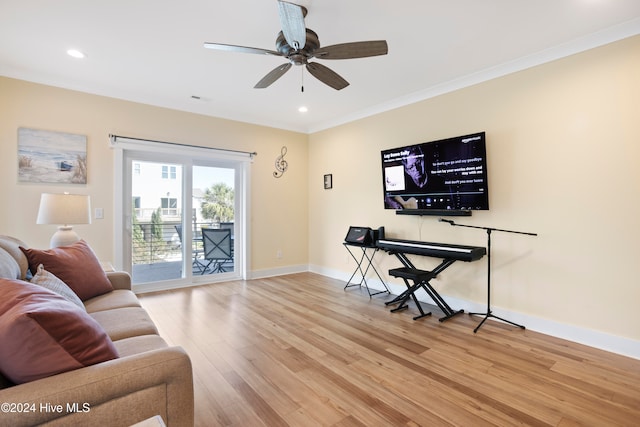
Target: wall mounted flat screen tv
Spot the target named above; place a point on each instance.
(448, 174)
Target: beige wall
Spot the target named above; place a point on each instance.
(279, 206)
(564, 161)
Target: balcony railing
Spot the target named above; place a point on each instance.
(154, 244)
(144, 214)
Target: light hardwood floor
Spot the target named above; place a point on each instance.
(298, 350)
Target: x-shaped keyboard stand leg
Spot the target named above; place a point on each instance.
(420, 279)
(410, 292)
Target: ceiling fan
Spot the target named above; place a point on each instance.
(300, 44)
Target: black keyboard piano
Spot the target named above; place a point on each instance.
(420, 278)
(437, 250)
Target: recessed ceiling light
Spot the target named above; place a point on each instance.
(303, 109)
(76, 53)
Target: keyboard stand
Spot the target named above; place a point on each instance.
(368, 260)
(420, 279)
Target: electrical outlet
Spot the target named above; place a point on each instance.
(99, 213)
(279, 253)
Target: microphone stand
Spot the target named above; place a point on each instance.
(488, 230)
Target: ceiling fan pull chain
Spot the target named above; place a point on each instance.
(301, 79)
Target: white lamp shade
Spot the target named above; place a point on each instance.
(64, 209)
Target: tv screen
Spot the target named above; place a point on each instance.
(449, 174)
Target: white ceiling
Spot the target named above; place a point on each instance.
(151, 51)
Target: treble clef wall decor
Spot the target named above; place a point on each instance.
(281, 163)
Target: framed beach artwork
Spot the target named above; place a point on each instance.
(51, 157)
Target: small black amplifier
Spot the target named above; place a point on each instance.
(359, 235)
(364, 235)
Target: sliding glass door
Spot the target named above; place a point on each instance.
(182, 219)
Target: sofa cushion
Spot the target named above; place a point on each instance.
(140, 344)
(42, 334)
(12, 246)
(76, 265)
(49, 281)
(121, 323)
(118, 298)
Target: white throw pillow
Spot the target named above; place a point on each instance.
(49, 281)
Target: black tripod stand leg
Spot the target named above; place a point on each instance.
(490, 314)
(481, 323)
(507, 321)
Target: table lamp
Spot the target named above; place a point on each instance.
(64, 209)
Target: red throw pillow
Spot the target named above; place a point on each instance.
(76, 265)
(42, 334)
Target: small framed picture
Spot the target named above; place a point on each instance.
(328, 181)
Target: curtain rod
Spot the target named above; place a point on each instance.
(249, 153)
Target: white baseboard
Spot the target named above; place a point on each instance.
(600, 340)
(214, 278)
(166, 285)
(281, 271)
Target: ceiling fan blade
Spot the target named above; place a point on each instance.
(327, 76)
(292, 22)
(241, 49)
(272, 76)
(352, 50)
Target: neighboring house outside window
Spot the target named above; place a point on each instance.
(168, 172)
(169, 206)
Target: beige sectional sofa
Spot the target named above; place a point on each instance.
(137, 375)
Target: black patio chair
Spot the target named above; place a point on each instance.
(218, 249)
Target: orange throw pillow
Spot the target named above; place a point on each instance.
(76, 265)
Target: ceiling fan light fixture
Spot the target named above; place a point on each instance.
(303, 109)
